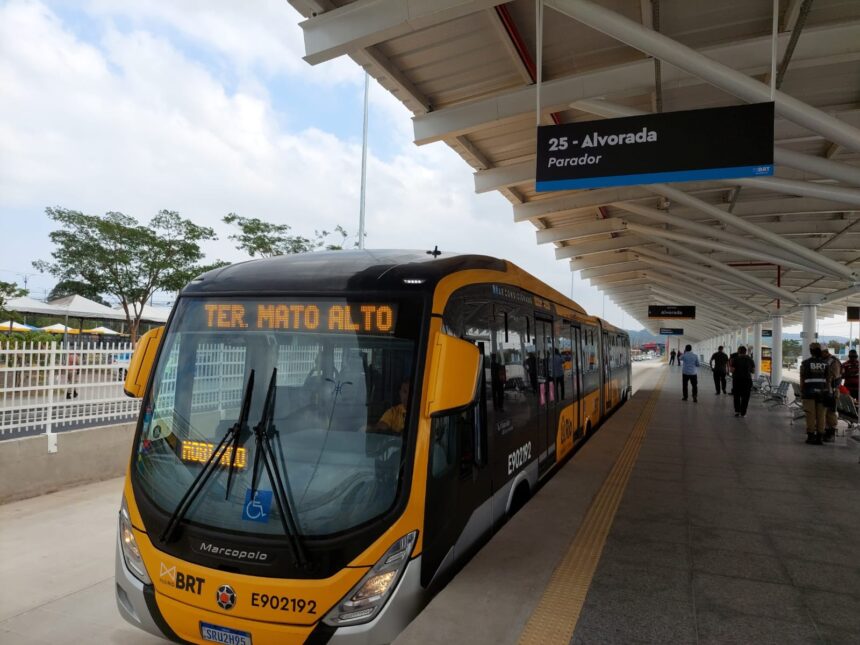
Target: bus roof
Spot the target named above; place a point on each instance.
(339, 271)
(354, 270)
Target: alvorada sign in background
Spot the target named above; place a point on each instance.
(714, 143)
(672, 311)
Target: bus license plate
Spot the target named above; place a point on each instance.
(224, 635)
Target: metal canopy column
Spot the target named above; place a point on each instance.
(776, 351)
(757, 347)
(810, 315)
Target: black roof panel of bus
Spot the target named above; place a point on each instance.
(338, 271)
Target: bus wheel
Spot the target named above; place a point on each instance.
(521, 496)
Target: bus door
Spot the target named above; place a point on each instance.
(548, 392)
(576, 363)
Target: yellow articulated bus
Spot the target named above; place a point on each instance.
(324, 438)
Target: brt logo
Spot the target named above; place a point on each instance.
(182, 581)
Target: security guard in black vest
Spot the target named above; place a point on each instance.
(816, 392)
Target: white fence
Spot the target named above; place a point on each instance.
(49, 386)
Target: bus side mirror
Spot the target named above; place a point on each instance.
(141, 362)
(454, 378)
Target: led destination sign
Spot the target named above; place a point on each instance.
(200, 451)
(713, 143)
(365, 318)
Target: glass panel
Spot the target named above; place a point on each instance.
(338, 422)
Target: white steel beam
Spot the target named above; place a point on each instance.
(634, 76)
(677, 264)
(596, 197)
(505, 40)
(709, 244)
(806, 188)
(704, 311)
(369, 22)
(739, 223)
(723, 268)
(601, 259)
(720, 75)
(576, 231)
(403, 88)
(838, 296)
(598, 246)
(764, 251)
(715, 293)
(596, 272)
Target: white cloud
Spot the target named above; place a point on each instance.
(261, 35)
(133, 123)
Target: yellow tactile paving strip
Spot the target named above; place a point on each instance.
(554, 619)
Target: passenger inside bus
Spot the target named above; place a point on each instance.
(394, 419)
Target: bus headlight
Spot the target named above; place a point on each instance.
(365, 600)
(130, 550)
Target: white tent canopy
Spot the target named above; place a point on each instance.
(100, 330)
(150, 313)
(71, 306)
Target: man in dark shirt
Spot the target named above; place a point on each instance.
(744, 368)
(719, 362)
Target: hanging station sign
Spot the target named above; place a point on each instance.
(672, 311)
(767, 333)
(671, 331)
(692, 145)
(853, 314)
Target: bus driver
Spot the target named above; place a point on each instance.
(394, 418)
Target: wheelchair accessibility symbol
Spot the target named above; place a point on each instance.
(256, 508)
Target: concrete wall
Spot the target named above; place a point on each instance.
(27, 469)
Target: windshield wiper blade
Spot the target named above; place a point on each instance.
(264, 431)
(241, 424)
(232, 437)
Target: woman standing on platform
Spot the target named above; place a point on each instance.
(744, 368)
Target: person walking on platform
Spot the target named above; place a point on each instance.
(834, 377)
(731, 369)
(672, 357)
(742, 379)
(719, 362)
(689, 363)
(851, 374)
(815, 393)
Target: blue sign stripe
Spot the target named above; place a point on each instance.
(656, 178)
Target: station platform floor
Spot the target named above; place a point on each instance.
(675, 523)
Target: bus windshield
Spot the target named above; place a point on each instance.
(343, 372)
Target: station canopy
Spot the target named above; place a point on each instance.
(741, 250)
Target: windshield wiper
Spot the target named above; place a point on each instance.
(263, 432)
(231, 437)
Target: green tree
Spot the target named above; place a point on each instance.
(116, 255)
(259, 238)
(9, 290)
(835, 345)
(76, 288)
(790, 349)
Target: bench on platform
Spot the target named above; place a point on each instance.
(779, 396)
(761, 385)
(846, 408)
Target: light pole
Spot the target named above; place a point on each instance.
(363, 165)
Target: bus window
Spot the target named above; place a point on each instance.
(564, 361)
